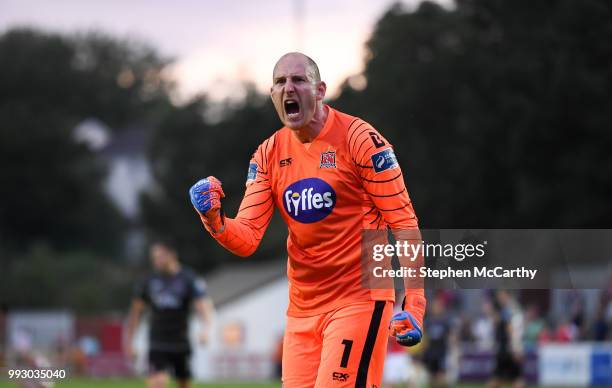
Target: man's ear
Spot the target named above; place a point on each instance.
(321, 88)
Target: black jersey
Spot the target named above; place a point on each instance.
(170, 298)
(437, 330)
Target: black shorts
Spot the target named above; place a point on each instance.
(175, 363)
(507, 368)
(434, 364)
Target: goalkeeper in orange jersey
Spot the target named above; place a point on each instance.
(330, 175)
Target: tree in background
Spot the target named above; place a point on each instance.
(51, 190)
(58, 228)
(499, 110)
(79, 281)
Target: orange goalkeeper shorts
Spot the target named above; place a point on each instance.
(345, 347)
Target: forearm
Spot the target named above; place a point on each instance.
(239, 235)
(414, 296)
(405, 229)
(136, 310)
(132, 325)
(205, 311)
(415, 301)
(242, 234)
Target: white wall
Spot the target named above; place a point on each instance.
(262, 312)
(36, 330)
(262, 315)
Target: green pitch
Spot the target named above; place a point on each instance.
(76, 383)
(141, 384)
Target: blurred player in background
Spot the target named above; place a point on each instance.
(169, 291)
(440, 334)
(330, 175)
(509, 341)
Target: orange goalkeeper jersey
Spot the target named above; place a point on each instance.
(347, 179)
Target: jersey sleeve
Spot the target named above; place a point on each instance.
(197, 287)
(243, 233)
(381, 176)
(383, 182)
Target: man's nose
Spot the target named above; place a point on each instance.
(289, 87)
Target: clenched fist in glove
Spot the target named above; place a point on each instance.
(206, 197)
(407, 325)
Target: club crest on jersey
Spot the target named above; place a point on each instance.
(309, 200)
(252, 174)
(384, 160)
(328, 159)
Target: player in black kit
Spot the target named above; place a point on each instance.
(169, 291)
(439, 334)
(508, 338)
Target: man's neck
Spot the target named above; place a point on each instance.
(174, 268)
(308, 133)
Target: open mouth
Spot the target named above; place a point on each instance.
(292, 108)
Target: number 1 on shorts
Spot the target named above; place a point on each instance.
(348, 344)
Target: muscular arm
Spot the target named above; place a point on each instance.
(241, 235)
(383, 181)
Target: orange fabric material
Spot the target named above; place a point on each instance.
(324, 268)
(416, 303)
(314, 349)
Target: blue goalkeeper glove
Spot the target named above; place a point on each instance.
(405, 328)
(205, 197)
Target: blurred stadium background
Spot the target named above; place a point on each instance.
(500, 111)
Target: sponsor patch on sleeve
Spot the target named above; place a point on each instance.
(384, 160)
(252, 174)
